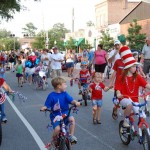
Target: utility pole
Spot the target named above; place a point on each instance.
(46, 40)
(73, 19)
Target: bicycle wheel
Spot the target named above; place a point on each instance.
(0, 132)
(146, 139)
(85, 98)
(124, 134)
(64, 144)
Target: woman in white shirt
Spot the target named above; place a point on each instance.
(70, 62)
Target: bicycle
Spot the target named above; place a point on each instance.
(129, 133)
(62, 142)
(85, 92)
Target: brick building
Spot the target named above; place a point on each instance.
(142, 13)
(110, 12)
(26, 42)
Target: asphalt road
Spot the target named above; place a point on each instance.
(19, 135)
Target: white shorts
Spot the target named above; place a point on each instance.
(125, 102)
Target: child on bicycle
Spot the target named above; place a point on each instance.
(96, 95)
(59, 100)
(84, 76)
(128, 84)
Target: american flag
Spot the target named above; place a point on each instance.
(2, 98)
(56, 106)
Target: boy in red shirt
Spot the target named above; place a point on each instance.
(96, 95)
(128, 84)
(83, 76)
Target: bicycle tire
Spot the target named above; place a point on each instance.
(146, 139)
(85, 98)
(64, 144)
(0, 133)
(124, 131)
(44, 85)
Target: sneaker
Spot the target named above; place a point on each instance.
(4, 120)
(72, 139)
(126, 123)
(80, 92)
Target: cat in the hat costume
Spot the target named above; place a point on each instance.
(128, 83)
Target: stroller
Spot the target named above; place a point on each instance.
(40, 78)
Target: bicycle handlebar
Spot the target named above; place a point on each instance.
(70, 108)
(139, 105)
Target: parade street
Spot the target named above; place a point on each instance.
(26, 128)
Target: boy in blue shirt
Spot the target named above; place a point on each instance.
(60, 100)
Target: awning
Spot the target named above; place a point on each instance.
(81, 40)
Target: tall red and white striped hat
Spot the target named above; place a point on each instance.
(127, 57)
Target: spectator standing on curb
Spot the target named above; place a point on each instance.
(114, 54)
(90, 58)
(146, 56)
(55, 62)
(100, 60)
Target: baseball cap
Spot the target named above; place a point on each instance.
(54, 48)
(117, 42)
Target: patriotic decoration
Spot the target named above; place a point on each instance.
(56, 106)
(127, 57)
(2, 98)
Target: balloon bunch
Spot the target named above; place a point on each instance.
(32, 61)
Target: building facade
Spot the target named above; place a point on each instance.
(142, 14)
(110, 12)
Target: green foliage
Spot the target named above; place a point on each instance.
(8, 44)
(39, 42)
(85, 45)
(90, 24)
(4, 33)
(135, 38)
(71, 44)
(57, 33)
(29, 29)
(106, 40)
(9, 7)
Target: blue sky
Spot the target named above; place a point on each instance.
(46, 13)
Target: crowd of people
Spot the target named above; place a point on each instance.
(128, 75)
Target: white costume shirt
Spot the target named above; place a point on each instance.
(117, 56)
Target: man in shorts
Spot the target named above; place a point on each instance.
(55, 61)
(146, 56)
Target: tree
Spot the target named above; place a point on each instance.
(29, 29)
(39, 42)
(4, 33)
(71, 44)
(9, 7)
(135, 38)
(8, 43)
(106, 40)
(56, 34)
(90, 24)
(85, 45)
